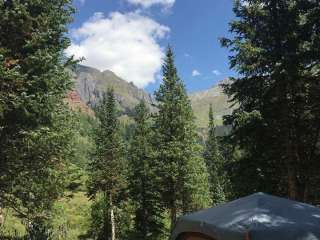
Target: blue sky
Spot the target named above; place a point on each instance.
(129, 37)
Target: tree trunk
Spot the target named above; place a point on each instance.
(173, 217)
(1, 217)
(292, 183)
(113, 225)
(291, 167)
(306, 194)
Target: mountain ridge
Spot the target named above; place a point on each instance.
(201, 100)
(91, 84)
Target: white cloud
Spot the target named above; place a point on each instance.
(245, 3)
(149, 3)
(126, 44)
(187, 55)
(216, 72)
(195, 73)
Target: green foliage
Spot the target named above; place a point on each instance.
(276, 52)
(48, 152)
(71, 216)
(108, 165)
(35, 125)
(177, 151)
(12, 225)
(107, 174)
(83, 143)
(99, 226)
(143, 182)
(39, 230)
(214, 162)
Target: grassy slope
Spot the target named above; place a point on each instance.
(71, 218)
(201, 101)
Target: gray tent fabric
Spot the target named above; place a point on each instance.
(256, 217)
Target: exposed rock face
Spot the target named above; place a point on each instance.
(75, 102)
(91, 84)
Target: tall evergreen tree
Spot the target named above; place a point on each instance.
(107, 169)
(35, 133)
(214, 163)
(276, 53)
(143, 185)
(184, 179)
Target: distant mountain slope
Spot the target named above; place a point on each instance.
(201, 101)
(90, 84)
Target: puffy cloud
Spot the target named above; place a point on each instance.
(216, 72)
(126, 44)
(149, 3)
(195, 73)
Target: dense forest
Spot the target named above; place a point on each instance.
(72, 174)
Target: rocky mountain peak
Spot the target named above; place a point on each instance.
(90, 84)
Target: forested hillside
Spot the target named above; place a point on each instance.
(87, 155)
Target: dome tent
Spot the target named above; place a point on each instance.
(256, 217)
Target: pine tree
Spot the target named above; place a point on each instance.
(180, 167)
(143, 185)
(107, 169)
(35, 125)
(214, 163)
(276, 53)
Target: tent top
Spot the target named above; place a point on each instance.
(256, 217)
